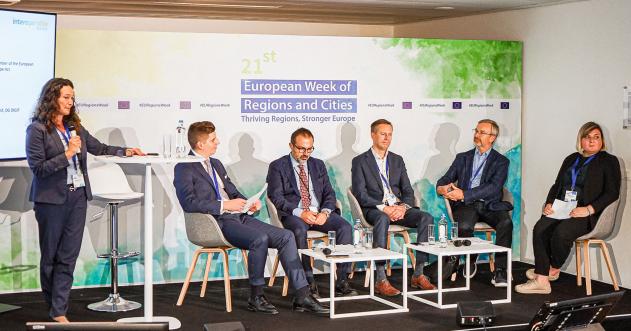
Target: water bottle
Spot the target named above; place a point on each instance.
(357, 233)
(442, 231)
(180, 140)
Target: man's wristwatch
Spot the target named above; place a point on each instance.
(325, 212)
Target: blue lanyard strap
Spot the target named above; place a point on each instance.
(477, 171)
(575, 171)
(67, 139)
(216, 184)
(383, 178)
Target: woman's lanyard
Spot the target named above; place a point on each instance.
(67, 140)
(575, 171)
(477, 171)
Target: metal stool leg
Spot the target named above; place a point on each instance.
(114, 301)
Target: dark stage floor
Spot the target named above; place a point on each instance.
(196, 311)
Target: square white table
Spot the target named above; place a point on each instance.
(362, 255)
(478, 246)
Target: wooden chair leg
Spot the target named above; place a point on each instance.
(489, 237)
(605, 251)
(588, 280)
(187, 280)
(209, 258)
(309, 246)
(406, 239)
(350, 276)
(226, 281)
(244, 252)
(388, 267)
(272, 277)
(579, 276)
(368, 272)
(285, 286)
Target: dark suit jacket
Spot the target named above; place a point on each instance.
(601, 186)
(491, 183)
(367, 185)
(284, 192)
(46, 158)
(195, 189)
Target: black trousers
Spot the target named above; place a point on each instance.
(60, 235)
(468, 215)
(414, 218)
(552, 241)
(246, 232)
(343, 236)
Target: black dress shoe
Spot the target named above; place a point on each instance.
(500, 278)
(260, 305)
(309, 304)
(344, 289)
(313, 288)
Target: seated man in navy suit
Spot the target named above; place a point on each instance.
(299, 187)
(382, 187)
(204, 187)
(474, 184)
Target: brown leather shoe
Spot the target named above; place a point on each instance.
(384, 287)
(422, 282)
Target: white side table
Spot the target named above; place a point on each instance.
(478, 246)
(372, 255)
(174, 323)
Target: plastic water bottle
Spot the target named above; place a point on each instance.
(442, 231)
(180, 140)
(357, 233)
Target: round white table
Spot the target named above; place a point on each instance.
(174, 323)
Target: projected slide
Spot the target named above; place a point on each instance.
(27, 61)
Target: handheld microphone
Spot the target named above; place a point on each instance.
(73, 133)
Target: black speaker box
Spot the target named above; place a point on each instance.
(475, 313)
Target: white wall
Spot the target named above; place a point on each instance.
(576, 61)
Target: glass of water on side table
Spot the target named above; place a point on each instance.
(431, 234)
(454, 231)
(368, 238)
(331, 235)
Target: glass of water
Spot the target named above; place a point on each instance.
(167, 145)
(431, 235)
(454, 230)
(331, 240)
(368, 238)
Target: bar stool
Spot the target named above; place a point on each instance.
(109, 183)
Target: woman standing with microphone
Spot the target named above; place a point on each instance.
(56, 144)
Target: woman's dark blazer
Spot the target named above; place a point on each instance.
(602, 182)
(46, 158)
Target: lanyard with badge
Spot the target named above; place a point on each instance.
(477, 171)
(77, 178)
(572, 195)
(391, 199)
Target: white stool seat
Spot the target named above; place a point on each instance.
(482, 225)
(397, 228)
(312, 234)
(120, 196)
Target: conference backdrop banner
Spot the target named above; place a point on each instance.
(132, 88)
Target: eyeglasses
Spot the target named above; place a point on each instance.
(482, 133)
(304, 150)
(594, 138)
(462, 242)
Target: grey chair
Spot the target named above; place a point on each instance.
(393, 229)
(483, 226)
(203, 230)
(603, 229)
(312, 236)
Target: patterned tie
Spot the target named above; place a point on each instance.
(304, 188)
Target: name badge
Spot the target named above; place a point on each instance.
(391, 199)
(77, 181)
(570, 196)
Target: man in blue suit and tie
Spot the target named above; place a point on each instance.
(474, 185)
(382, 187)
(205, 187)
(299, 187)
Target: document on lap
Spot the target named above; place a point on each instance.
(251, 201)
(562, 209)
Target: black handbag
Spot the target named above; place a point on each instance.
(450, 265)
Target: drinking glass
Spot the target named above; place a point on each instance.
(454, 231)
(167, 145)
(331, 240)
(431, 235)
(368, 239)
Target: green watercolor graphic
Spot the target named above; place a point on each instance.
(462, 69)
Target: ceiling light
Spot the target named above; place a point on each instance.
(217, 5)
(444, 8)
